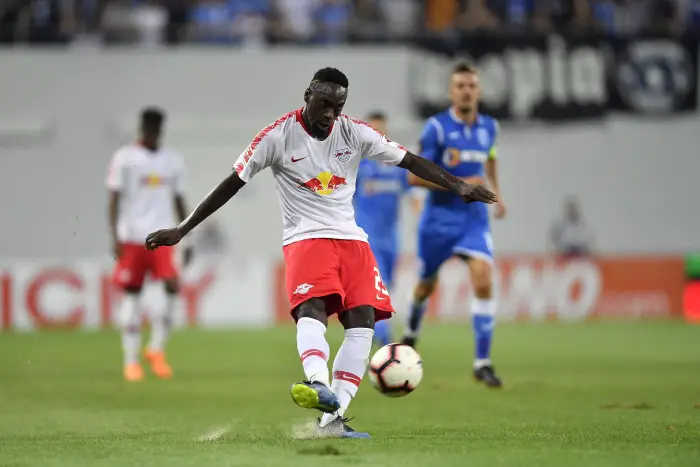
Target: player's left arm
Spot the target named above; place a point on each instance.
(492, 174)
(378, 147)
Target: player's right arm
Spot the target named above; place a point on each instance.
(116, 178)
(259, 155)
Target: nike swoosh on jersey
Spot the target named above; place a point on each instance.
(300, 159)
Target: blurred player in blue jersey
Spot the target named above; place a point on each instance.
(377, 202)
(463, 141)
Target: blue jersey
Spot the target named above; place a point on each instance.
(377, 203)
(449, 226)
(462, 150)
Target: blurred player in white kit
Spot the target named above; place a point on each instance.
(146, 191)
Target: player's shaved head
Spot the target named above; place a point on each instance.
(325, 97)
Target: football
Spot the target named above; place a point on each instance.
(395, 370)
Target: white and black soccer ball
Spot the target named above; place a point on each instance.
(395, 370)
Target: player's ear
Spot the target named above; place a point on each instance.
(307, 93)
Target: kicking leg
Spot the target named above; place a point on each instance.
(483, 320)
(349, 365)
(315, 392)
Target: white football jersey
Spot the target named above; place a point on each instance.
(316, 179)
(147, 182)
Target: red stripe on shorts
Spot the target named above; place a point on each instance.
(349, 377)
(313, 353)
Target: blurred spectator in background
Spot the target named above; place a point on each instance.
(332, 19)
(401, 17)
(151, 23)
(47, 21)
(211, 21)
(149, 19)
(621, 17)
(295, 21)
(570, 236)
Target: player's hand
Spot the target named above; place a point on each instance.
(117, 249)
(471, 193)
(187, 256)
(165, 237)
(501, 210)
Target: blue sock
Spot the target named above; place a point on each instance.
(382, 332)
(415, 317)
(483, 323)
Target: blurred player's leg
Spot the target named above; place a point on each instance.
(433, 250)
(130, 323)
(421, 293)
(129, 274)
(477, 250)
(385, 262)
(163, 268)
(483, 321)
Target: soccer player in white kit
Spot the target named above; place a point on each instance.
(314, 153)
(146, 191)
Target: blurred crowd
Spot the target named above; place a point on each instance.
(261, 22)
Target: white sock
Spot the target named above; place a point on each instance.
(313, 349)
(130, 323)
(161, 324)
(349, 367)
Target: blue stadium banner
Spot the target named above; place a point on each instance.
(653, 75)
(561, 78)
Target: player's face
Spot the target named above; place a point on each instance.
(150, 135)
(465, 91)
(323, 108)
(378, 124)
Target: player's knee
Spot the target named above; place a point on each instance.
(314, 308)
(359, 317)
(172, 286)
(482, 278)
(424, 289)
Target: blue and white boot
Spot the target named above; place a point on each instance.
(339, 428)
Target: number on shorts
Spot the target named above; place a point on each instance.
(378, 283)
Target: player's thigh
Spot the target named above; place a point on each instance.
(434, 248)
(131, 267)
(362, 280)
(312, 271)
(476, 242)
(477, 248)
(163, 267)
(362, 316)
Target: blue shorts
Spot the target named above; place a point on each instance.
(436, 247)
(386, 260)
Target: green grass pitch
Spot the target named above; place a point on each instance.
(613, 394)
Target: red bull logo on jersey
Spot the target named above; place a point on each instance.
(152, 180)
(324, 183)
(343, 155)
